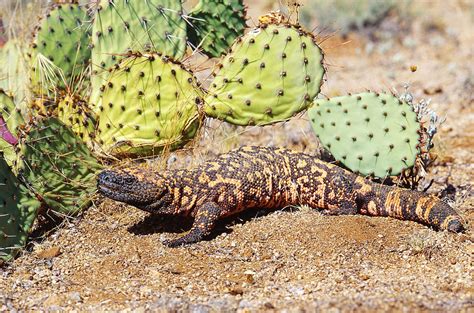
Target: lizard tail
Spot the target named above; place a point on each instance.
(379, 200)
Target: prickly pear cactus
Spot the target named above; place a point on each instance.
(150, 102)
(370, 133)
(215, 24)
(10, 121)
(271, 74)
(123, 26)
(58, 165)
(60, 53)
(13, 69)
(18, 211)
(75, 113)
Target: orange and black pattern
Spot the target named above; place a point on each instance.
(263, 177)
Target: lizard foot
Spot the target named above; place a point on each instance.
(182, 241)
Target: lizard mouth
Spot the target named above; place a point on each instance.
(107, 191)
(121, 187)
(130, 189)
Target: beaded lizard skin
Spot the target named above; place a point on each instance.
(261, 177)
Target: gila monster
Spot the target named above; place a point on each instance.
(264, 177)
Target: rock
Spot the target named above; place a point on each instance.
(139, 310)
(433, 90)
(364, 276)
(52, 300)
(49, 253)
(250, 276)
(236, 291)
(75, 297)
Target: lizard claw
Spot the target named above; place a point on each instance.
(172, 243)
(456, 226)
(179, 242)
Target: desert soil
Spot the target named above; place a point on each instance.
(111, 258)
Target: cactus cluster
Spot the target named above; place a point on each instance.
(55, 170)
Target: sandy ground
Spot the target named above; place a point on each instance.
(111, 258)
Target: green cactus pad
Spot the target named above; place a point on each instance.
(13, 69)
(215, 24)
(150, 102)
(60, 53)
(122, 26)
(11, 115)
(11, 112)
(18, 211)
(370, 133)
(75, 113)
(271, 74)
(58, 166)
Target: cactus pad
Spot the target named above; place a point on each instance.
(123, 26)
(271, 74)
(75, 113)
(370, 133)
(13, 69)
(215, 24)
(58, 165)
(18, 210)
(149, 102)
(10, 121)
(60, 52)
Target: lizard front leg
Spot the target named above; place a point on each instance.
(205, 220)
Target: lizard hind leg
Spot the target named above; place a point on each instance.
(206, 218)
(340, 196)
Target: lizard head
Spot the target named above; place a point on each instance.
(148, 193)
